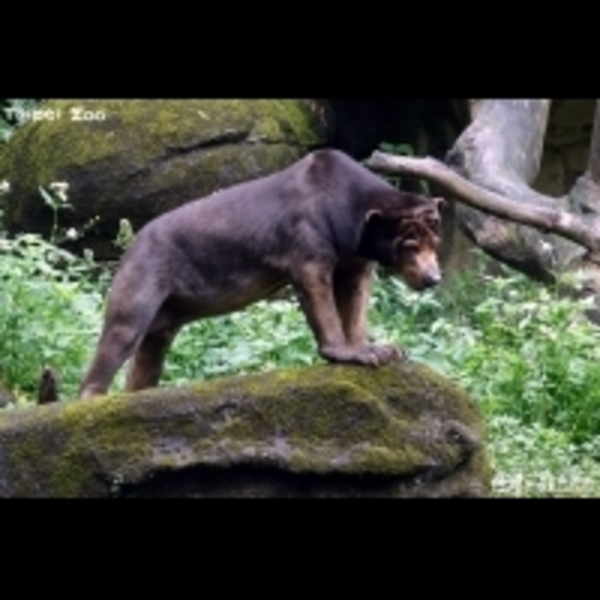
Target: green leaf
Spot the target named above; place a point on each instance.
(49, 200)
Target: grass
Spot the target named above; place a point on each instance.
(51, 310)
(529, 356)
(537, 461)
(524, 351)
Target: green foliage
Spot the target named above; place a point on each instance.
(399, 149)
(524, 351)
(549, 356)
(125, 235)
(51, 311)
(263, 337)
(528, 355)
(56, 198)
(532, 460)
(402, 150)
(520, 348)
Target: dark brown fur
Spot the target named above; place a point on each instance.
(319, 224)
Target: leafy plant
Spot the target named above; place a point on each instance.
(56, 199)
(532, 460)
(51, 312)
(521, 348)
(523, 351)
(265, 336)
(125, 235)
(402, 150)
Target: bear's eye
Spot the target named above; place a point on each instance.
(433, 224)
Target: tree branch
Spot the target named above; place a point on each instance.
(563, 223)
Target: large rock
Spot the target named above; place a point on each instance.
(138, 158)
(566, 146)
(400, 430)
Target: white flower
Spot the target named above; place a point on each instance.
(4, 187)
(72, 233)
(60, 188)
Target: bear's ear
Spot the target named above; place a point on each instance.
(374, 213)
(440, 202)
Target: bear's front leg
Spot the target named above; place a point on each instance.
(352, 289)
(314, 285)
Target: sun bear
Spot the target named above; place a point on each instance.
(320, 225)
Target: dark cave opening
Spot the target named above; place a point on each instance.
(430, 126)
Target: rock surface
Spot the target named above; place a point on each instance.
(343, 431)
(138, 158)
(567, 146)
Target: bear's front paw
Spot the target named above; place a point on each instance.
(363, 354)
(387, 352)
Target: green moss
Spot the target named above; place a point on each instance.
(326, 419)
(349, 405)
(67, 444)
(140, 127)
(148, 156)
(292, 121)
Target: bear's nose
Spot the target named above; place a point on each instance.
(430, 279)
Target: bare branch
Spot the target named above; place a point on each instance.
(563, 223)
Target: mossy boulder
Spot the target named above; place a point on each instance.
(399, 430)
(138, 158)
